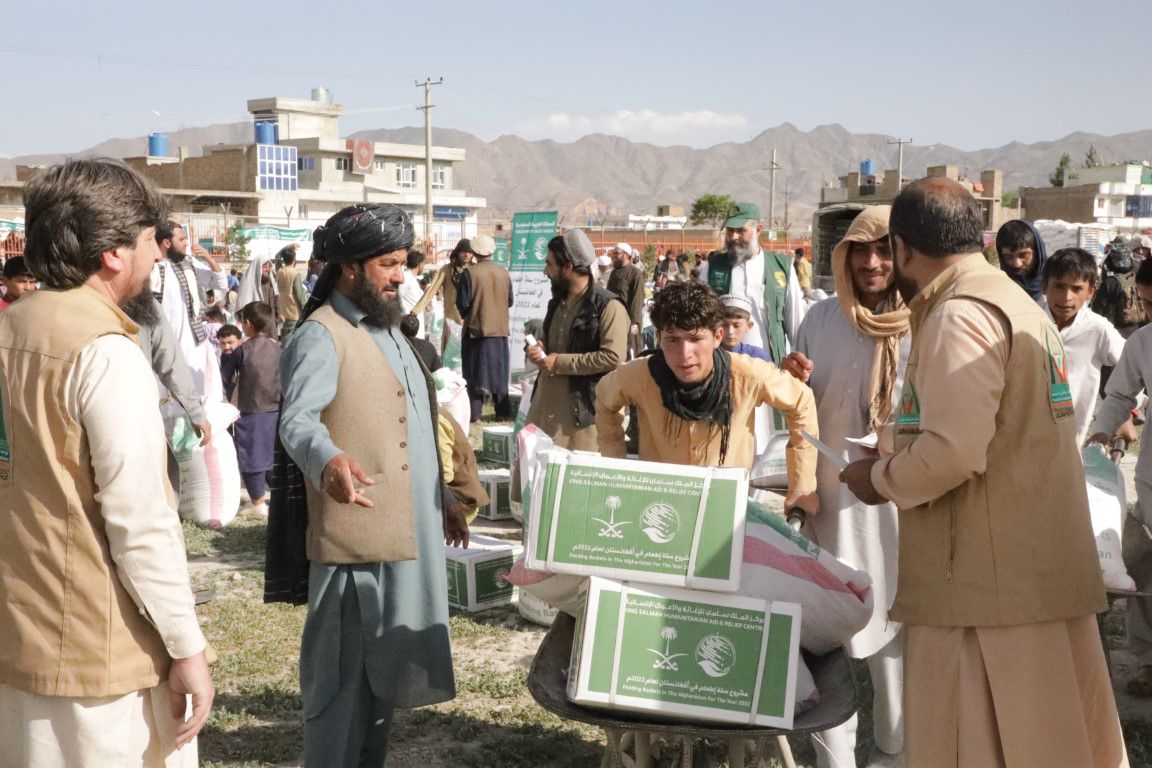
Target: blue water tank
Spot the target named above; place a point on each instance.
(868, 168)
(265, 133)
(157, 145)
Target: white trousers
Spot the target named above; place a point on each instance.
(836, 747)
(135, 730)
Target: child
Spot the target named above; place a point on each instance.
(1022, 256)
(258, 398)
(737, 322)
(18, 281)
(229, 338)
(425, 350)
(214, 320)
(1070, 279)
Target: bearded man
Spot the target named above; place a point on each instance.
(585, 337)
(99, 642)
(359, 420)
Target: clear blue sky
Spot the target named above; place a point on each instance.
(972, 73)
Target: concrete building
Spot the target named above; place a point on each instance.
(881, 189)
(1118, 195)
(297, 172)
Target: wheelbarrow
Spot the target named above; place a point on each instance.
(548, 681)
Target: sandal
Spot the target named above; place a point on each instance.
(1141, 683)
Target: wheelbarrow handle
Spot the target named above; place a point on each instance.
(796, 518)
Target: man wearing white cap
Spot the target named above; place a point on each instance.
(585, 336)
(627, 282)
(483, 296)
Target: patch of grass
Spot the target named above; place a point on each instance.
(244, 536)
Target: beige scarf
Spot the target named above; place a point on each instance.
(886, 325)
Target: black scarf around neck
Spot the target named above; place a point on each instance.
(710, 400)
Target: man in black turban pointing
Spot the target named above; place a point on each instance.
(359, 421)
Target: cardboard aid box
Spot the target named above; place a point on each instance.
(497, 482)
(686, 654)
(476, 575)
(636, 520)
(497, 444)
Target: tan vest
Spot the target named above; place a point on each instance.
(285, 279)
(1013, 545)
(367, 420)
(488, 315)
(466, 486)
(67, 625)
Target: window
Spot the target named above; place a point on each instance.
(277, 166)
(439, 176)
(306, 163)
(406, 175)
(344, 163)
(380, 165)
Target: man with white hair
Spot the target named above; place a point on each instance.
(1141, 247)
(627, 282)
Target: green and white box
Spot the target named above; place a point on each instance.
(497, 444)
(497, 482)
(476, 575)
(642, 521)
(685, 654)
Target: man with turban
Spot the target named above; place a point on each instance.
(852, 350)
(359, 420)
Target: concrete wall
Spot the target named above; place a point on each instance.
(1073, 204)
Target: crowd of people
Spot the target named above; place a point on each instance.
(980, 382)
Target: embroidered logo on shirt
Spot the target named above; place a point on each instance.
(1059, 393)
(908, 420)
(781, 279)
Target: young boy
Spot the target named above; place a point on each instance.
(696, 403)
(1070, 280)
(1022, 256)
(258, 398)
(737, 322)
(18, 281)
(425, 350)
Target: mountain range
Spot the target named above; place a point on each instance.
(601, 175)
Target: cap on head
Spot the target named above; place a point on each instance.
(580, 249)
(735, 301)
(745, 212)
(483, 245)
(17, 267)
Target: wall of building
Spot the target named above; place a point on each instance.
(1073, 204)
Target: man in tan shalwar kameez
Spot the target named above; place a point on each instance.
(998, 576)
(585, 337)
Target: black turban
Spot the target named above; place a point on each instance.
(360, 232)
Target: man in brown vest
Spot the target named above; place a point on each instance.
(998, 577)
(290, 283)
(483, 297)
(359, 419)
(99, 642)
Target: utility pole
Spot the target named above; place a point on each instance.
(900, 162)
(772, 168)
(427, 85)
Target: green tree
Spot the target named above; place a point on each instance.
(237, 244)
(1010, 199)
(712, 210)
(1092, 157)
(1060, 175)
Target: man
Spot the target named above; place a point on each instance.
(627, 282)
(999, 582)
(803, 272)
(359, 420)
(604, 266)
(585, 336)
(1022, 256)
(483, 298)
(446, 280)
(1141, 247)
(257, 284)
(1132, 375)
(1090, 342)
(17, 280)
(290, 285)
(410, 290)
(768, 280)
(177, 282)
(695, 402)
(852, 351)
(737, 323)
(99, 642)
